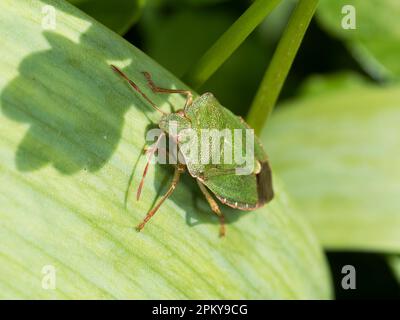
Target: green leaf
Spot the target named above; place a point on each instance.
(72, 134)
(323, 84)
(118, 15)
(338, 153)
(375, 42)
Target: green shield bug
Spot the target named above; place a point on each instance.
(243, 190)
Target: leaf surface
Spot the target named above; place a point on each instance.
(337, 149)
(375, 41)
(72, 134)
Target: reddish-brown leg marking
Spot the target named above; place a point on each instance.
(134, 86)
(214, 207)
(150, 153)
(189, 95)
(178, 171)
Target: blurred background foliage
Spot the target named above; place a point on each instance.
(335, 71)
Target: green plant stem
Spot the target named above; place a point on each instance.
(275, 76)
(229, 42)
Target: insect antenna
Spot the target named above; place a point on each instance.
(134, 86)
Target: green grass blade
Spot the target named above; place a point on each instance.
(277, 71)
(229, 42)
(394, 263)
(72, 134)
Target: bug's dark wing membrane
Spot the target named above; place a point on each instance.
(264, 184)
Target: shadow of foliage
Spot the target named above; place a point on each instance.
(68, 127)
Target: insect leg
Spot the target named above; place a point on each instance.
(150, 153)
(188, 93)
(178, 171)
(214, 207)
(134, 86)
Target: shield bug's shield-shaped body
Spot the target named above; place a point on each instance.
(216, 134)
